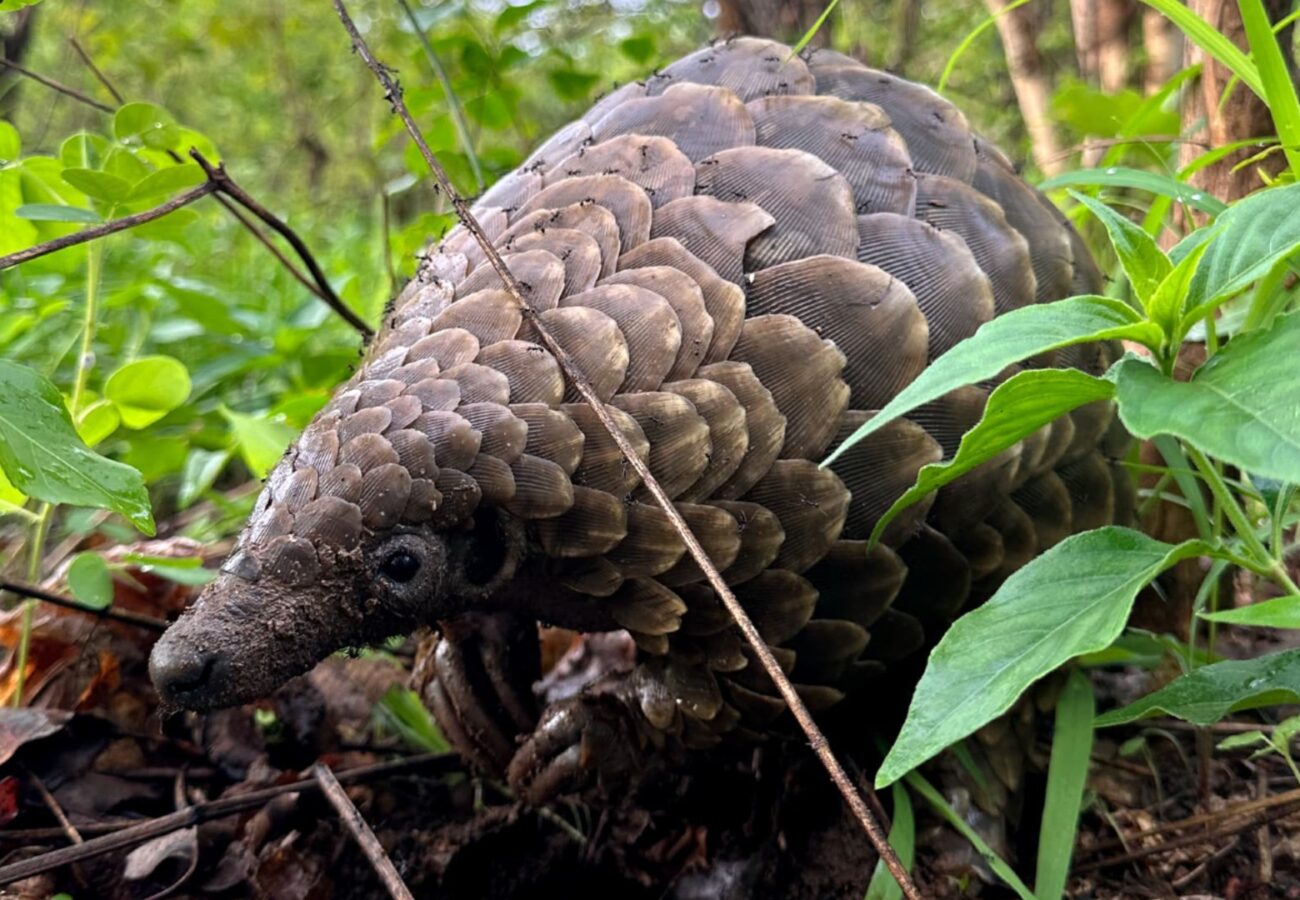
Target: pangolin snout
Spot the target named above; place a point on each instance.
(187, 674)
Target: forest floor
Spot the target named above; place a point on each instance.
(91, 762)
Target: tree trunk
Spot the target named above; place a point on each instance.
(907, 24)
(1101, 40)
(1019, 31)
(785, 20)
(1164, 46)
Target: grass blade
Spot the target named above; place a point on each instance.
(1279, 92)
(970, 39)
(812, 32)
(902, 837)
(999, 866)
(1208, 38)
(1066, 774)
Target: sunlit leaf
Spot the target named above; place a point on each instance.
(11, 145)
(1154, 182)
(261, 440)
(101, 185)
(168, 181)
(97, 421)
(147, 389)
(201, 469)
(134, 120)
(53, 212)
(1279, 612)
(1144, 262)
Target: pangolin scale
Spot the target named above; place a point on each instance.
(746, 255)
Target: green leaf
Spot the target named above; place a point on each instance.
(639, 48)
(1280, 612)
(83, 151)
(1144, 262)
(11, 145)
(571, 84)
(89, 580)
(168, 181)
(1211, 692)
(201, 469)
(186, 570)
(402, 711)
(1153, 182)
(1021, 405)
(902, 837)
(1071, 600)
(54, 212)
(135, 120)
(148, 389)
(97, 421)
(100, 185)
(1249, 239)
(44, 458)
(261, 441)
(1010, 338)
(15, 5)
(1241, 406)
(1066, 776)
(1166, 305)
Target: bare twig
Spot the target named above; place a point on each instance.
(1228, 812)
(125, 616)
(217, 175)
(55, 85)
(95, 70)
(579, 380)
(110, 227)
(361, 832)
(206, 812)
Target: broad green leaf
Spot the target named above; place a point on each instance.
(639, 48)
(1154, 182)
(902, 837)
(83, 151)
(180, 569)
(89, 580)
(1280, 612)
(14, 5)
(1144, 262)
(147, 389)
(1021, 405)
(201, 469)
(1071, 600)
(54, 212)
(261, 441)
(97, 421)
(11, 145)
(1211, 692)
(1010, 338)
(126, 165)
(100, 185)
(166, 182)
(1166, 305)
(1241, 406)
(135, 120)
(1066, 774)
(44, 458)
(1249, 239)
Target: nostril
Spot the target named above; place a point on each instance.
(180, 673)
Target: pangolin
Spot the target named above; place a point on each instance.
(746, 255)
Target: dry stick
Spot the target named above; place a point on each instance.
(227, 185)
(1190, 839)
(815, 738)
(110, 227)
(361, 832)
(95, 70)
(61, 88)
(1228, 812)
(125, 616)
(205, 812)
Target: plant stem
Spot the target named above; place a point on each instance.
(39, 527)
(85, 359)
(1240, 523)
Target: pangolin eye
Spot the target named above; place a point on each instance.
(401, 566)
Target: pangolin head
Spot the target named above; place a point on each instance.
(367, 527)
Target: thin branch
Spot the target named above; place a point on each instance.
(816, 739)
(206, 812)
(125, 616)
(361, 833)
(95, 70)
(61, 88)
(110, 227)
(217, 175)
